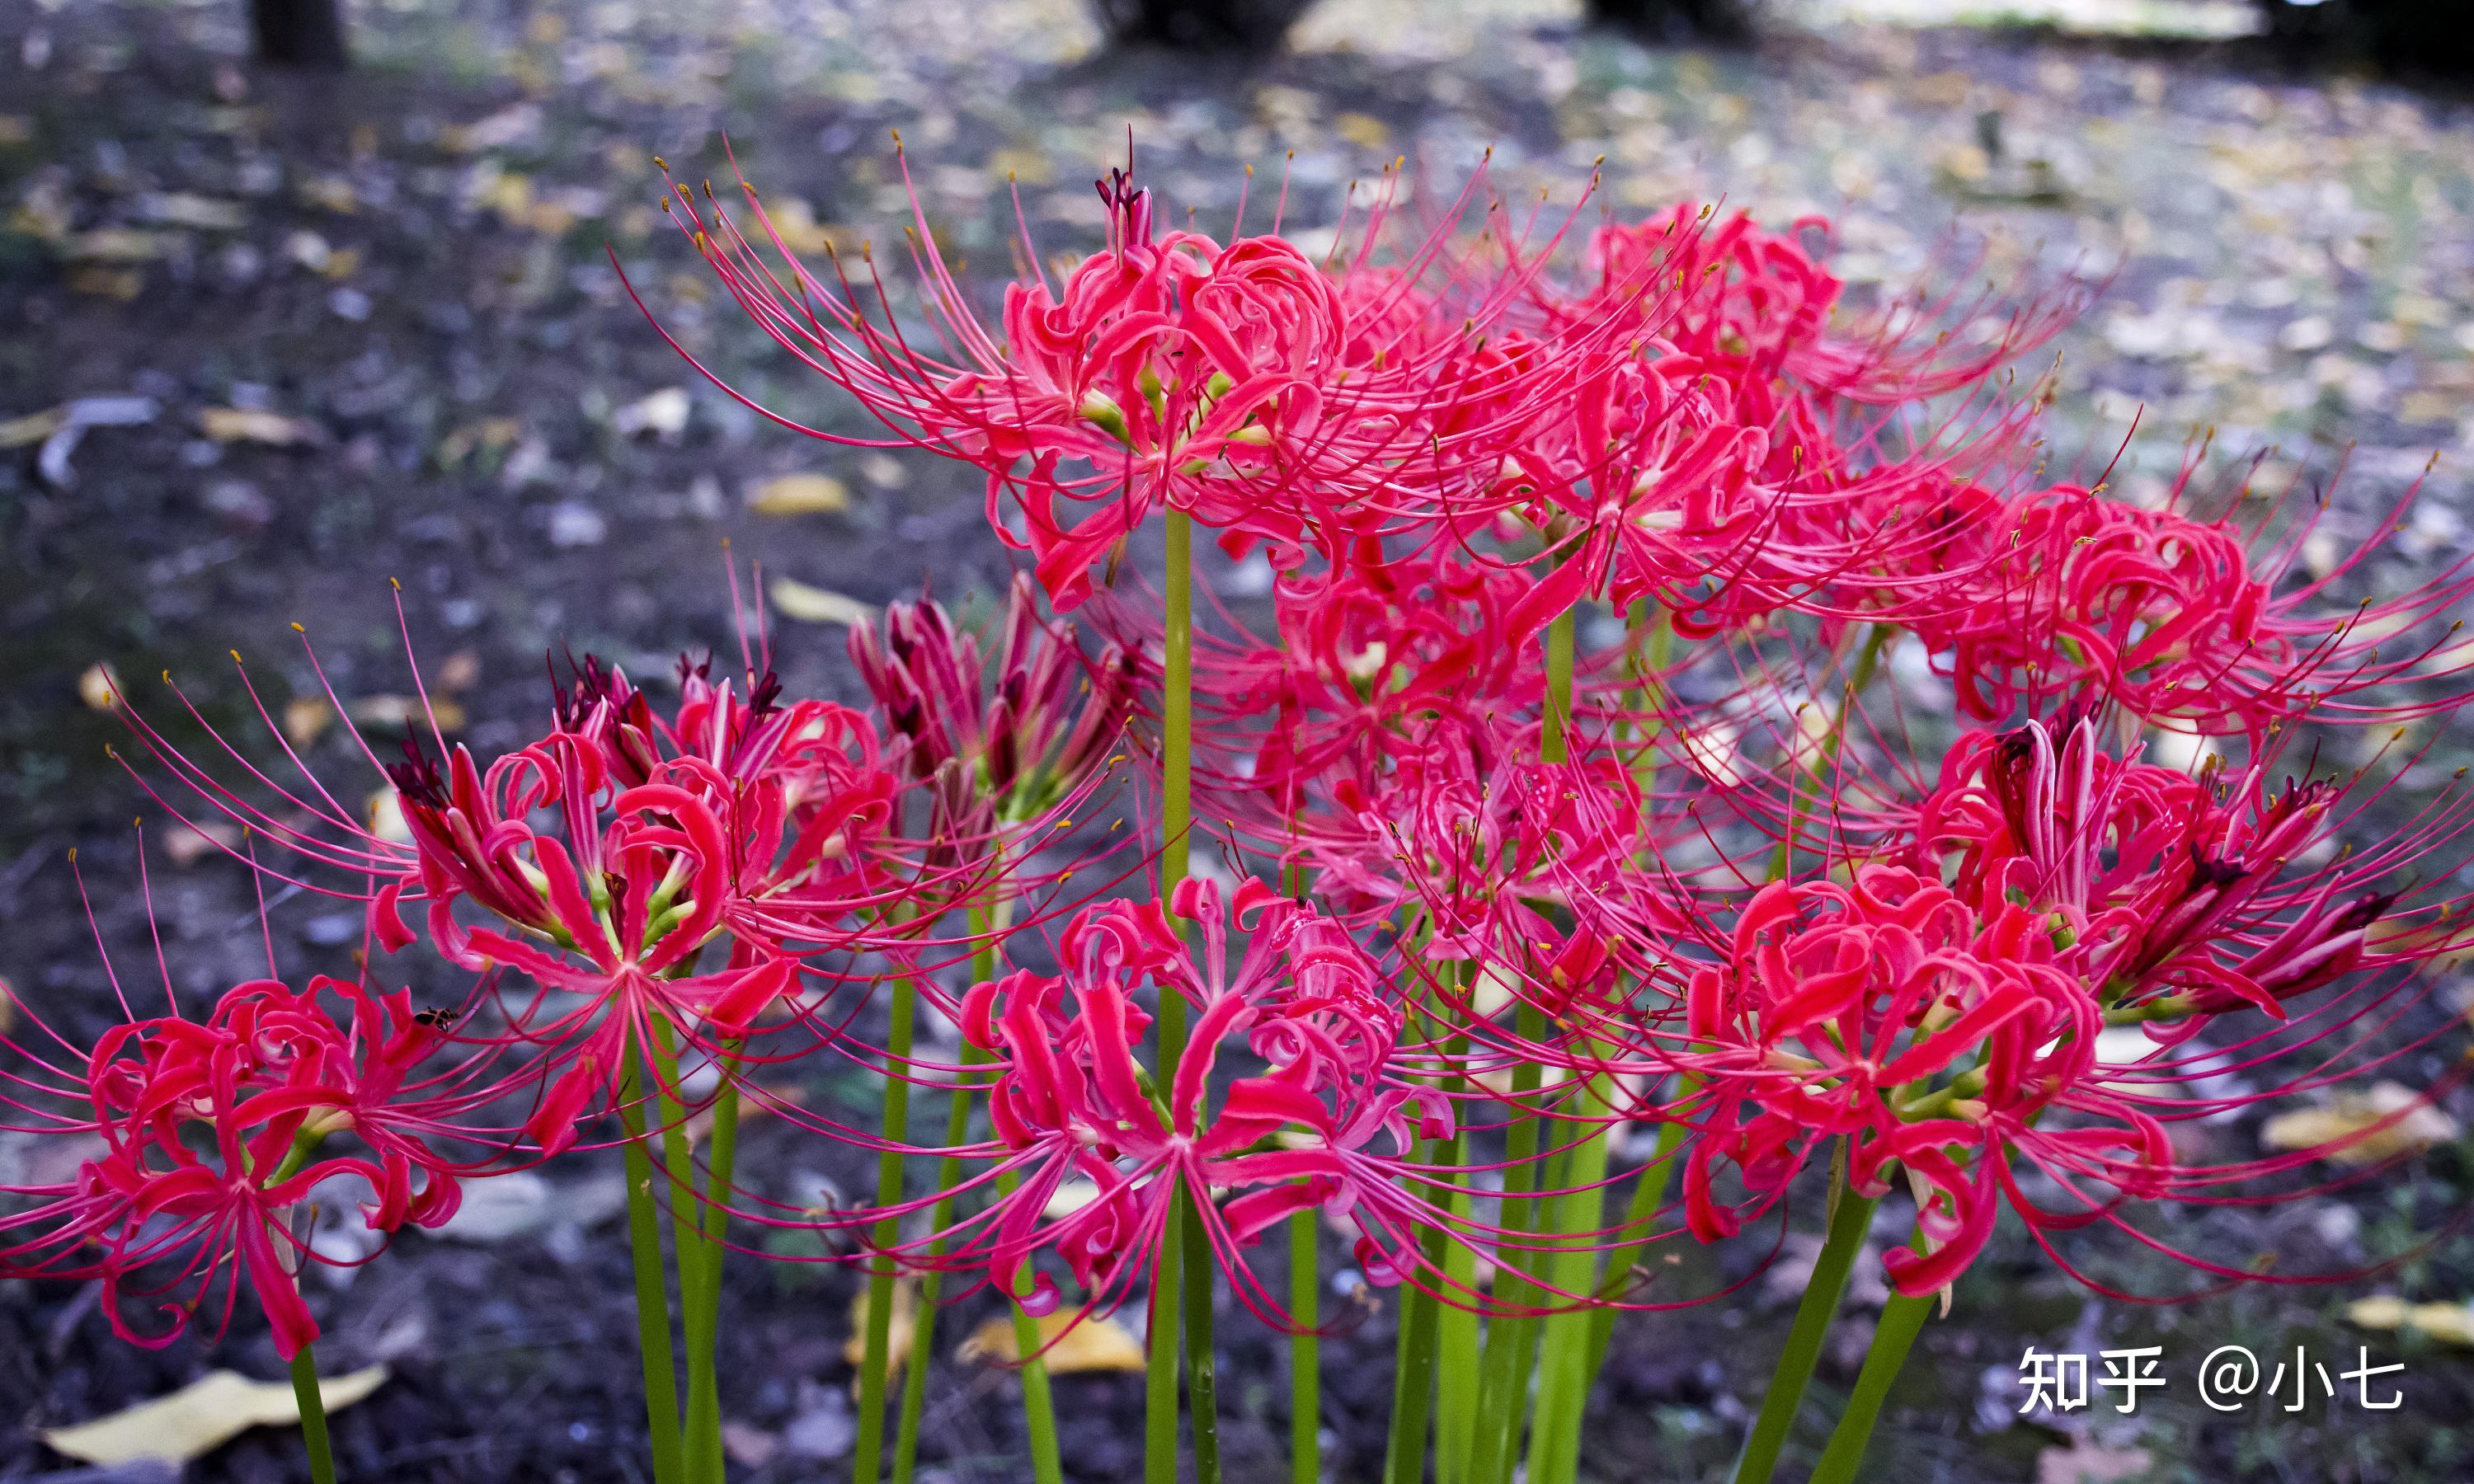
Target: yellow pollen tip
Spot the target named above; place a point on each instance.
(297, 628)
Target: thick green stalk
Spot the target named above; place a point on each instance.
(1038, 1401)
(1648, 1196)
(1456, 1342)
(313, 1416)
(689, 1252)
(1203, 1372)
(1554, 737)
(1565, 1372)
(868, 1459)
(652, 1284)
(1901, 1318)
(1511, 1341)
(1176, 805)
(1305, 1348)
(1827, 1284)
(1413, 1374)
(703, 1316)
(1504, 1366)
(923, 1323)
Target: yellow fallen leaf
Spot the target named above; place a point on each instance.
(121, 283)
(816, 605)
(458, 671)
(190, 844)
(202, 1417)
(2345, 1115)
(99, 687)
(119, 245)
(248, 425)
(305, 719)
(1363, 130)
(404, 713)
(2451, 1323)
(2087, 1461)
(898, 1333)
(799, 494)
(32, 428)
(1094, 1344)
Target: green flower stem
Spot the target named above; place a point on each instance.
(1565, 1369)
(923, 1323)
(868, 1459)
(652, 1284)
(986, 922)
(1902, 1318)
(1305, 1349)
(1306, 1309)
(1876, 638)
(1848, 1224)
(1648, 1197)
(688, 1250)
(1176, 802)
(1413, 1374)
(1038, 1401)
(1554, 737)
(313, 1416)
(703, 1315)
(1504, 1364)
(1456, 1341)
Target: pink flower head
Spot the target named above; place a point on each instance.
(1025, 742)
(2165, 616)
(209, 1133)
(1075, 1101)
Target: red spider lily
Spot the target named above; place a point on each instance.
(2170, 617)
(1370, 660)
(2180, 896)
(1862, 1012)
(1027, 744)
(1075, 1103)
(209, 1132)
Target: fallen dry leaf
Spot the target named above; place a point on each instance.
(404, 713)
(248, 425)
(2346, 1115)
(1094, 1344)
(2451, 1323)
(32, 428)
(459, 671)
(663, 414)
(190, 844)
(306, 719)
(897, 1340)
(202, 1417)
(816, 605)
(99, 687)
(799, 494)
(2088, 1462)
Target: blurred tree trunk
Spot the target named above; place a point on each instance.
(1676, 20)
(1200, 25)
(300, 32)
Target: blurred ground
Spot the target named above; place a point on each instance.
(370, 328)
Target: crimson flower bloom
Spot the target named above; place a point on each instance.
(210, 1134)
(1088, 1126)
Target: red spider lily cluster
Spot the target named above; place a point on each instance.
(1577, 793)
